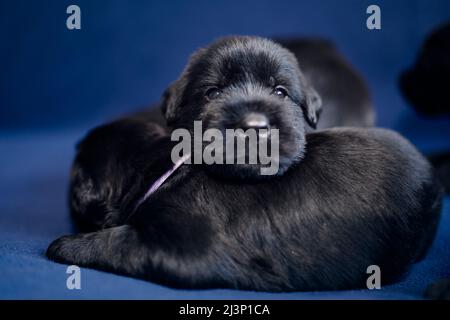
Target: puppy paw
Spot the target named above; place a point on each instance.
(63, 250)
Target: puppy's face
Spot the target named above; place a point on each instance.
(245, 83)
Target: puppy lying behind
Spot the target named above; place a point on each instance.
(343, 199)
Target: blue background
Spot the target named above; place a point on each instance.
(55, 84)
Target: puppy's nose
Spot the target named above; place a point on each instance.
(255, 121)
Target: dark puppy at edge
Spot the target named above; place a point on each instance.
(425, 86)
(344, 199)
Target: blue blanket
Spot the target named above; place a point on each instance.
(55, 84)
(33, 191)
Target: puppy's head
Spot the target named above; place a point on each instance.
(245, 83)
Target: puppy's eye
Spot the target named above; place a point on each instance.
(280, 92)
(212, 93)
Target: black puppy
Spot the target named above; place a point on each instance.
(345, 200)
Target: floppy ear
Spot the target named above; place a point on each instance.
(307, 97)
(173, 95)
(311, 106)
(172, 98)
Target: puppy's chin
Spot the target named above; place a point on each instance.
(249, 172)
(266, 167)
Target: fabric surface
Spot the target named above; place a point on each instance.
(55, 84)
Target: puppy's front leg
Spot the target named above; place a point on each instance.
(123, 250)
(115, 249)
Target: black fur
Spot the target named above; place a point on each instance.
(347, 199)
(247, 70)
